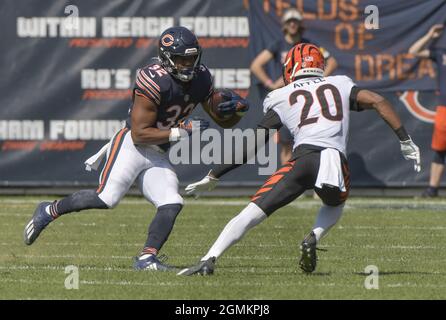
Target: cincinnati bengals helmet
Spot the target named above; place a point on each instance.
(304, 59)
(175, 42)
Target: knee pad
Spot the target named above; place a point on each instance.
(110, 199)
(330, 195)
(173, 199)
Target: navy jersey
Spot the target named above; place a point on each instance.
(439, 56)
(175, 99)
(279, 50)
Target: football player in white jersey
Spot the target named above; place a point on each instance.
(316, 111)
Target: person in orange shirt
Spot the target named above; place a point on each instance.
(438, 54)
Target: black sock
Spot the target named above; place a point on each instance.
(433, 189)
(160, 227)
(81, 200)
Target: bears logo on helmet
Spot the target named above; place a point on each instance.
(167, 40)
(304, 59)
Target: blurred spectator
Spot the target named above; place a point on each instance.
(421, 49)
(292, 27)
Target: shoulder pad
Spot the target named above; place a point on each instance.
(205, 77)
(151, 81)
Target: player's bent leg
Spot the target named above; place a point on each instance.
(251, 216)
(282, 187)
(123, 165)
(46, 212)
(164, 195)
(162, 225)
(159, 231)
(78, 201)
(285, 185)
(333, 199)
(328, 216)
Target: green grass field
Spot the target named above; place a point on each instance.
(404, 238)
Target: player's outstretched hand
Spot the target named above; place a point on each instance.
(233, 104)
(208, 183)
(194, 125)
(411, 152)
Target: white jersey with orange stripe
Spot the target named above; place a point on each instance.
(316, 110)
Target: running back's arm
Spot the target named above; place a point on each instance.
(143, 119)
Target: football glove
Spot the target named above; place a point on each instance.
(411, 151)
(187, 127)
(208, 183)
(233, 104)
(194, 125)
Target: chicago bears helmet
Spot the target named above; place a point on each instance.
(304, 59)
(179, 52)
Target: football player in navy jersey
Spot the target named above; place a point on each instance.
(165, 93)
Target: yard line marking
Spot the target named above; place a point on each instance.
(218, 284)
(409, 203)
(239, 245)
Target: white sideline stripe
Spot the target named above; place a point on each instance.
(396, 247)
(236, 258)
(218, 284)
(64, 256)
(392, 228)
(409, 202)
(306, 204)
(240, 245)
(341, 227)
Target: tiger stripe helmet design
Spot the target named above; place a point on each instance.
(303, 59)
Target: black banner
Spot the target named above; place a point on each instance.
(65, 91)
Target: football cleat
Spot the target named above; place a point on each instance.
(308, 259)
(152, 263)
(38, 222)
(204, 268)
(430, 192)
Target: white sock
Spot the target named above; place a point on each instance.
(328, 216)
(251, 216)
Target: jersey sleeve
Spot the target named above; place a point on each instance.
(272, 102)
(354, 105)
(206, 82)
(147, 84)
(274, 48)
(432, 54)
(348, 87)
(270, 120)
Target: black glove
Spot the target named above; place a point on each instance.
(233, 104)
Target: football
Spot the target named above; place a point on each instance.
(218, 97)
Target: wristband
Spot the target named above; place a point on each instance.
(402, 134)
(174, 135)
